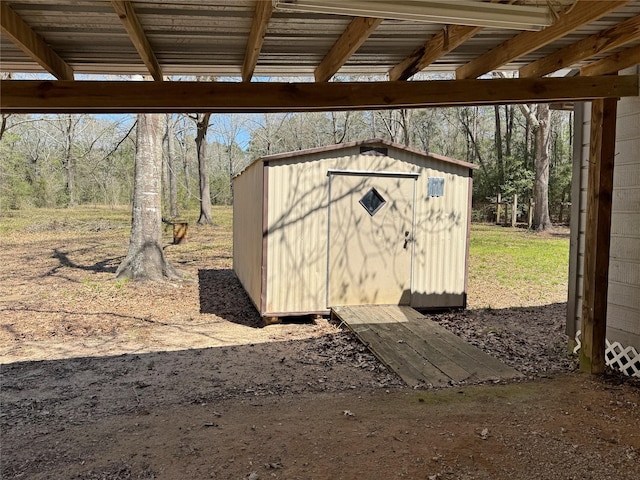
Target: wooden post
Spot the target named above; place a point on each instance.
(498, 206)
(530, 223)
(514, 210)
(180, 232)
(598, 235)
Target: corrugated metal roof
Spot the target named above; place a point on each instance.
(210, 37)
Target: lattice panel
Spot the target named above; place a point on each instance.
(626, 360)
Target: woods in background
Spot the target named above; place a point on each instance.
(66, 160)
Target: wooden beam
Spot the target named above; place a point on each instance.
(598, 235)
(613, 63)
(30, 96)
(132, 25)
(614, 37)
(349, 42)
(583, 12)
(261, 19)
(33, 44)
(443, 42)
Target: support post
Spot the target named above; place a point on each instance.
(530, 223)
(514, 210)
(498, 208)
(598, 235)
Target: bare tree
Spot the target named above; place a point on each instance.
(171, 167)
(541, 122)
(202, 125)
(145, 259)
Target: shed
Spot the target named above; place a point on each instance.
(360, 223)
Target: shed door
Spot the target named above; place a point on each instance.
(370, 238)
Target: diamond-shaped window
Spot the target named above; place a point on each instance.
(372, 201)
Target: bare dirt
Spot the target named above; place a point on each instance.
(106, 380)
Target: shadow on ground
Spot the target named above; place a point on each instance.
(41, 398)
(222, 294)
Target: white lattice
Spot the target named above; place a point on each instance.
(626, 360)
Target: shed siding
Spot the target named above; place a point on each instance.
(623, 317)
(247, 230)
(296, 242)
(298, 228)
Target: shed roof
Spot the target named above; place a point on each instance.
(370, 142)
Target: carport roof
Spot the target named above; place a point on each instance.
(266, 59)
(223, 38)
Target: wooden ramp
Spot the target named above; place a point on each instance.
(417, 349)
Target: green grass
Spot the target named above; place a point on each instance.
(515, 256)
(503, 261)
(49, 219)
(88, 217)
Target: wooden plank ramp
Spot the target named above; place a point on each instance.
(420, 351)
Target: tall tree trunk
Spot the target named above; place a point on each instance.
(473, 149)
(541, 123)
(203, 172)
(145, 259)
(541, 218)
(405, 124)
(171, 167)
(3, 123)
(187, 175)
(498, 144)
(508, 137)
(67, 159)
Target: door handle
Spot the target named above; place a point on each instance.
(407, 239)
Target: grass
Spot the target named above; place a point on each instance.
(508, 267)
(516, 267)
(52, 219)
(514, 255)
(91, 217)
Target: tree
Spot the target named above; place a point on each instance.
(171, 166)
(541, 121)
(202, 125)
(145, 259)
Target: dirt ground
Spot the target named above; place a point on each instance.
(106, 380)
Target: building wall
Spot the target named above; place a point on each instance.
(298, 228)
(623, 317)
(247, 230)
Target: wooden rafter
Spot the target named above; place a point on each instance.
(33, 44)
(581, 14)
(443, 42)
(613, 63)
(131, 23)
(351, 39)
(25, 96)
(614, 37)
(259, 26)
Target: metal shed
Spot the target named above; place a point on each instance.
(360, 223)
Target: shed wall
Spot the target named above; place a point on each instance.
(248, 205)
(623, 317)
(298, 228)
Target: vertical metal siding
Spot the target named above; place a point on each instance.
(296, 243)
(298, 222)
(247, 230)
